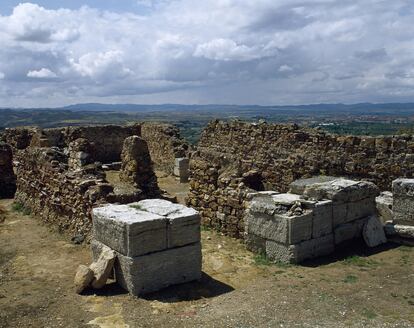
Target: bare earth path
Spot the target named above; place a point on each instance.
(37, 267)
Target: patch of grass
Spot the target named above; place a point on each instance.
(350, 279)
(205, 228)
(369, 314)
(138, 207)
(405, 259)
(405, 249)
(262, 259)
(359, 261)
(18, 207)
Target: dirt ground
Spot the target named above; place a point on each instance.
(356, 288)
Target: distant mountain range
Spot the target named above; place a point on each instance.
(97, 107)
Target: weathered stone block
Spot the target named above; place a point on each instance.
(360, 209)
(183, 223)
(129, 230)
(339, 213)
(280, 252)
(300, 227)
(403, 187)
(268, 227)
(348, 231)
(342, 190)
(396, 230)
(403, 209)
(255, 243)
(300, 252)
(322, 219)
(299, 186)
(152, 272)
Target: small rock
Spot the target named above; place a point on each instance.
(103, 267)
(373, 232)
(78, 239)
(83, 278)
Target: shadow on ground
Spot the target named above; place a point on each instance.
(207, 287)
(356, 247)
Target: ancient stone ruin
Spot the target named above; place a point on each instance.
(234, 159)
(157, 243)
(60, 172)
(310, 221)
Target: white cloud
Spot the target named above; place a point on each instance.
(2, 75)
(43, 73)
(236, 51)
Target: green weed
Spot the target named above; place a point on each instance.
(350, 279)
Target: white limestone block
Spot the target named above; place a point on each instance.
(128, 230)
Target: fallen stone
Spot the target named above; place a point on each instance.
(384, 206)
(102, 268)
(299, 186)
(83, 278)
(373, 232)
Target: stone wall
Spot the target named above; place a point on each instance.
(7, 177)
(57, 195)
(165, 145)
(233, 159)
(164, 141)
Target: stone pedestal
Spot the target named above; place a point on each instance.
(157, 243)
(182, 169)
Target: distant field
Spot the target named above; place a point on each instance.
(341, 119)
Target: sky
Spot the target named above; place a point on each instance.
(266, 52)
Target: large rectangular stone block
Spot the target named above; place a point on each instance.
(300, 252)
(255, 243)
(183, 223)
(348, 231)
(267, 226)
(322, 219)
(152, 272)
(360, 209)
(129, 230)
(342, 190)
(300, 227)
(403, 209)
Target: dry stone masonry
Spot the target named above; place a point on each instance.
(234, 159)
(136, 167)
(7, 177)
(312, 220)
(157, 243)
(60, 177)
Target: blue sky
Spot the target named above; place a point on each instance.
(55, 53)
(6, 6)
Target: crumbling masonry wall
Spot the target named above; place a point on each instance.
(165, 145)
(58, 196)
(236, 158)
(164, 141)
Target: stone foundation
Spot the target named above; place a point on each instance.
(292, 228)
(157, 243)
